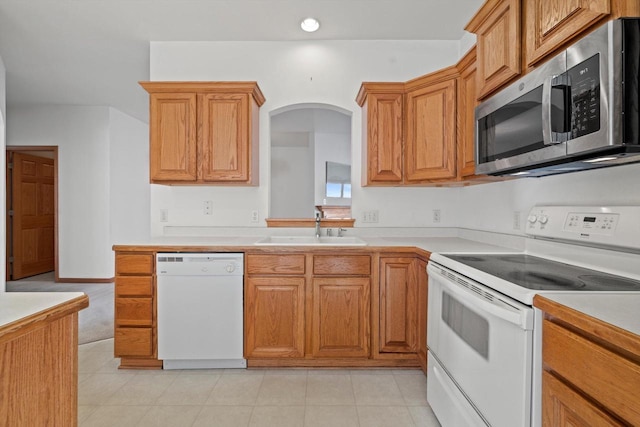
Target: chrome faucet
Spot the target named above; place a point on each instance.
(317, 225)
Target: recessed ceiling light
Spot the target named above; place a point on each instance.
(310, 25)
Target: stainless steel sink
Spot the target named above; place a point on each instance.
(310, 241)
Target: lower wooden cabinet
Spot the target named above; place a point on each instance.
(423, 303)
(274, 317)
(398, 305)
(135, 311)
(341, 317)
(591, 370)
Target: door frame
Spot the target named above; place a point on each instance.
(27, 149)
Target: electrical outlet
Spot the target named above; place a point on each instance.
(370, 216)
(516, 220)
(164, 215)
(254, 216)
(208, 207)
(437, 215)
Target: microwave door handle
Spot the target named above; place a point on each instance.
(551, 136)
(546, 111)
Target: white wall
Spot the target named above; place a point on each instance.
(3, 115)
(129, 173)
(332, 147)
(102, 180)
(492, 206)
(328, 72)
(290, 175)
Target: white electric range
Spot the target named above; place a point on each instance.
(484, 336)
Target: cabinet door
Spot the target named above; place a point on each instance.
(172, 136)
(274, 317)
(431, 132)
(398, 305)
(384, 138)
(550, 24)
(341, 317)
(563, 407)
(224, 137)
(497, 29)
(467, 101)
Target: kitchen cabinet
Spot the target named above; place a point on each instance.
(549, 25)
(430, 145)
(465, 114)
(382, 132)
(599, 383)
(135, 340)
(398, 304)
(204, 132)
(498, 38)
(423, 303)
(274, 306)
(340, 306)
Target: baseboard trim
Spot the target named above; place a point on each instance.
(84, 280)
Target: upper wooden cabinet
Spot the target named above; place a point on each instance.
(382, 132)
(204, 132)
(550, 24)
(430, 145)
(465, 113)
(497, 27)
(409, 130)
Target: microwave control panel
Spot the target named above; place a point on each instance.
(597, 225)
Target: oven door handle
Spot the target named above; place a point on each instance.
(476, 302)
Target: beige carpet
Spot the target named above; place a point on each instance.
(96, 321)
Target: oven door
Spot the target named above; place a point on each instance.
(483, 342)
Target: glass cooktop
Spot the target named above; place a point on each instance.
(542, 274)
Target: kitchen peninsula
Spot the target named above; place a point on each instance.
(39, 357)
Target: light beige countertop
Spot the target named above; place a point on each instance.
(17, 306)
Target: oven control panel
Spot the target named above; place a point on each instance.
(597, 225)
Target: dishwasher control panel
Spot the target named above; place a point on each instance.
(200, 264)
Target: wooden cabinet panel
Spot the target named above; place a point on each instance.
(608, 378)
(279, 264)
(134, 311)
(172, 132)
(341, 317)
(465, 114)
(563, 407)
(204, 132)
(351, 265)
(133, 342)
(431, 132)
(398, 305)
(497, 29)
(224, 136)
(423, 303)
(127, 263)
(134, 286)
(382, 131)
(274, 317)
(550, 24)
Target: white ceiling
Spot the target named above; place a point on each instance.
(93, 52)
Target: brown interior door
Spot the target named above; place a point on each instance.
(32, 220)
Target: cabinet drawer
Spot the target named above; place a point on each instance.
(134, 286)
(342, 265)
(134, 263)
(607, 377)
(133, 342)
(275, 264)
(134, 311)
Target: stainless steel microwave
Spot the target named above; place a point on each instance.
(579, 110)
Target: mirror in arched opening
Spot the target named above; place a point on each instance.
(310, 162)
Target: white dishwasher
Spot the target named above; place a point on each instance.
(200, 310)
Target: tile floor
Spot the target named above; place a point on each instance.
(254, 397)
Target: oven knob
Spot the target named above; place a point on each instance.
(532, 218)
(543, 219)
